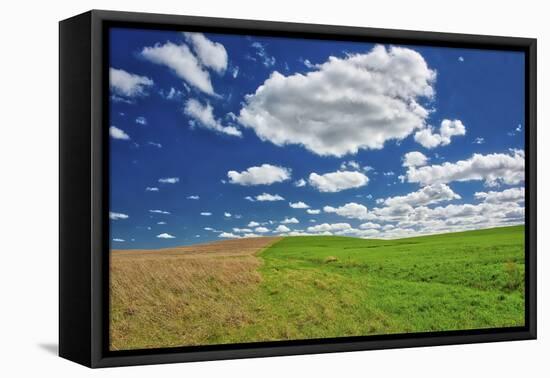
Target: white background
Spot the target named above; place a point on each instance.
(29, 188)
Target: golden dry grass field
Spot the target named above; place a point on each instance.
(182, 296)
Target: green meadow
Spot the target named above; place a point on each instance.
(331, 286)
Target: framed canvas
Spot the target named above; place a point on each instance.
(234, 188)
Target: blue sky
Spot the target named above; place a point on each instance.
(377, 141)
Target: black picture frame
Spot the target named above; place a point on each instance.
(83, 195)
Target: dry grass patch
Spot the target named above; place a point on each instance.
(183, 296)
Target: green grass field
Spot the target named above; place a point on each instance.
(329, 286)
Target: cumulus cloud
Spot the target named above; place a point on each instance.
(269, 197)
(227, 215)
(508, 195)
(298, 205)
(424, 196)
(117, 216)
(261, 229)
(429, 138)
(266, 174)
(349, 210)
(369, 226)
(182, 62)
(369, 98)
(313, 211)
(169, 180)
(407, 220)
(290, 221)
(253, 224)
(211, 54)
(491, 168)
(165, 236)
(282, 228)
(127, 84)
(193, 197)
(337, 181)
(228, 235)
(206, 214)
(117, 133)
(414, 159)
(329, 227)
(242, 230)
(204, 115)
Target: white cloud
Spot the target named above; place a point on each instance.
(479, 140)
(261, 230)
(300, 183)
(161, 222)
(269, 197)
(349, 210)
(141, 121)
(337, 181)
(165, 236)
(227, 215)
(412, 221)
(449, 128)
(389, 173)
(282, 228)
(169, 180)
(172, 94)
(249, 198)
(193, 197)
(117, 216)
(350, 165)
(266, 174)
(151, 189)
(228, 235)
(369, 226)
(290, 221)
(329, 227)
(119, 240)
(211, 54)
(204, 115)
(491, 168)
(253, 224)
(206, 214)
(235, 72)
(158, 145)
(126, 84)
(159, 212)
(424, 196)
(298, 205)
(242, 230)
(313, 211)
(117, 133)
(508, 195)
(183, 63)
(414, 159)
(369, 98)
(461, 59)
